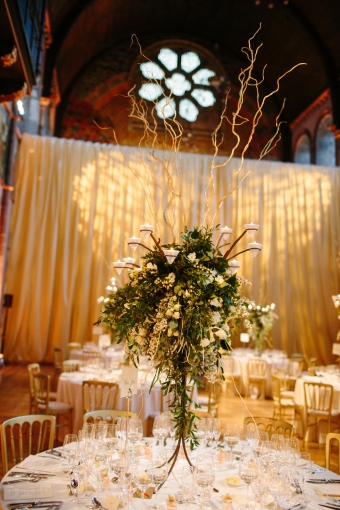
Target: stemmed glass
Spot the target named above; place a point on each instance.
(134, 431)
(160, 429)
(252, 435)
(304, 468)
(231, 438)
(158, 474)
(200, 427)
(69, 451)
(248, 471)
(214, 427)
(142, 475)
(128, 483)
(276, 485)
(187, 484)
(203, 479)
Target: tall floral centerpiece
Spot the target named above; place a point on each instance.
(176, 310)
(183, 299)
(259, 324)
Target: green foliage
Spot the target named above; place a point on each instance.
(178, 314)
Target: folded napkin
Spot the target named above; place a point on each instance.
(40, 464)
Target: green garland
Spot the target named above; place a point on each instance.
(179, 315)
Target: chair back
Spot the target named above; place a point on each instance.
(99, 395)
(279, 383)
(271, 425)
(329, 438)
(312, 362)
(108, 416)
(318, 396)
(257, 367)
(295, 366)
(25, 435)
(71, 346)
(57, 357)
(42, 385)
(201, 414)
(33, 368)
(71, 365)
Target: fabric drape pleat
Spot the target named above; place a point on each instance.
(77, 202)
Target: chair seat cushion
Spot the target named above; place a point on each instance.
(57, 407)
(288, 402)
(287, 394)
(316, 412)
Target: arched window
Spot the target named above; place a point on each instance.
(302, 150)
(325, 143)
(177, 78)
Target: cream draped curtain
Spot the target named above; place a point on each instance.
(77, 202)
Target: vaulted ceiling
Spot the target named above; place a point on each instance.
(292, 32)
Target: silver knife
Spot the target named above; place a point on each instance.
(329, 506)
(323, 480)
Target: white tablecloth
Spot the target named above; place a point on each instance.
(171, 486)
(144, 403)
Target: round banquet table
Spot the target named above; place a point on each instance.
(144, 404)
(56, 486)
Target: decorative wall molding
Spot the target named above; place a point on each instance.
(311, 108)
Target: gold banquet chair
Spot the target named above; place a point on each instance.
(329, 438)
(257, 375)
(107, 415)
(318, 404)
(34, 368)
(44, 405)
(25, 435)
(283, 399)
(71, 365)
(231, 379)
(72, 346)
(271, 426)
(210, 401)
(99, 395)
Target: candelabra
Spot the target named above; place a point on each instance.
(171, 254)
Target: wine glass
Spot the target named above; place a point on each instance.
(214, 425)
(187, 484)
(142, 475)
(248, 471)
(276, 485)
(200, 428)
(304, 468)
(69, 451)
(134, 431)
(160, 429)
(203, 480)
(278, 439)
(252, 435)
(231, 438)
(128, 483)
(158, 474)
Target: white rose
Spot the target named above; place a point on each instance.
(215, 317)
(192, 257)
(226, 327)
(219, 279)
(205, 342)
(220, 333)
(176, 315)
(215, 302)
